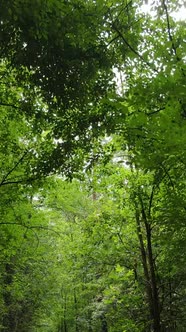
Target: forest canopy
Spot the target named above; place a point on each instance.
(93, 166)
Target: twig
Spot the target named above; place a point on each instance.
(12, 169)
(39, 227)
(169, 30)
(168, 175)
(132, 49)
(9, 105)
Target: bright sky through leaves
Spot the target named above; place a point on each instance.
(147, 8)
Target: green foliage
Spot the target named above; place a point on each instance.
(104, 253)
(57, 60)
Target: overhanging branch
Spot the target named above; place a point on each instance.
(3, 181)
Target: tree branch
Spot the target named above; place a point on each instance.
(39, 227)
(9, 105)
(12, 169)
(132, 49)
(168, 175)
(169, 30)
(156, 111)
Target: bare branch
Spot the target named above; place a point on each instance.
(9, 105)
(12, 169)
(168, 175)
(151, 200)
(156, 111)
(132, 49)
(37, 227)
(11, 182)
(112, 40)
(169, 30)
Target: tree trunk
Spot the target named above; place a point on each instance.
(104, 327)
(149, 270)
(145, 268)
(155, 297)
(9, 318)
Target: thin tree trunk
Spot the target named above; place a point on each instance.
(9, 318)
(154, 306)
(145, 268)
(64, 315)
(104, 327)
(155, 297)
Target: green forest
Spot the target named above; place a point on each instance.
(92, 166)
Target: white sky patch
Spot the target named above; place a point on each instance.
(120, 80)
(147, 8)
(181, 14)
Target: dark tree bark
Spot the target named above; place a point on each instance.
(9, 318)
(148, 266)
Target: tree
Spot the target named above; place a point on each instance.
(152, 137)
(62, 70)
(116, 254)
(26, 270)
